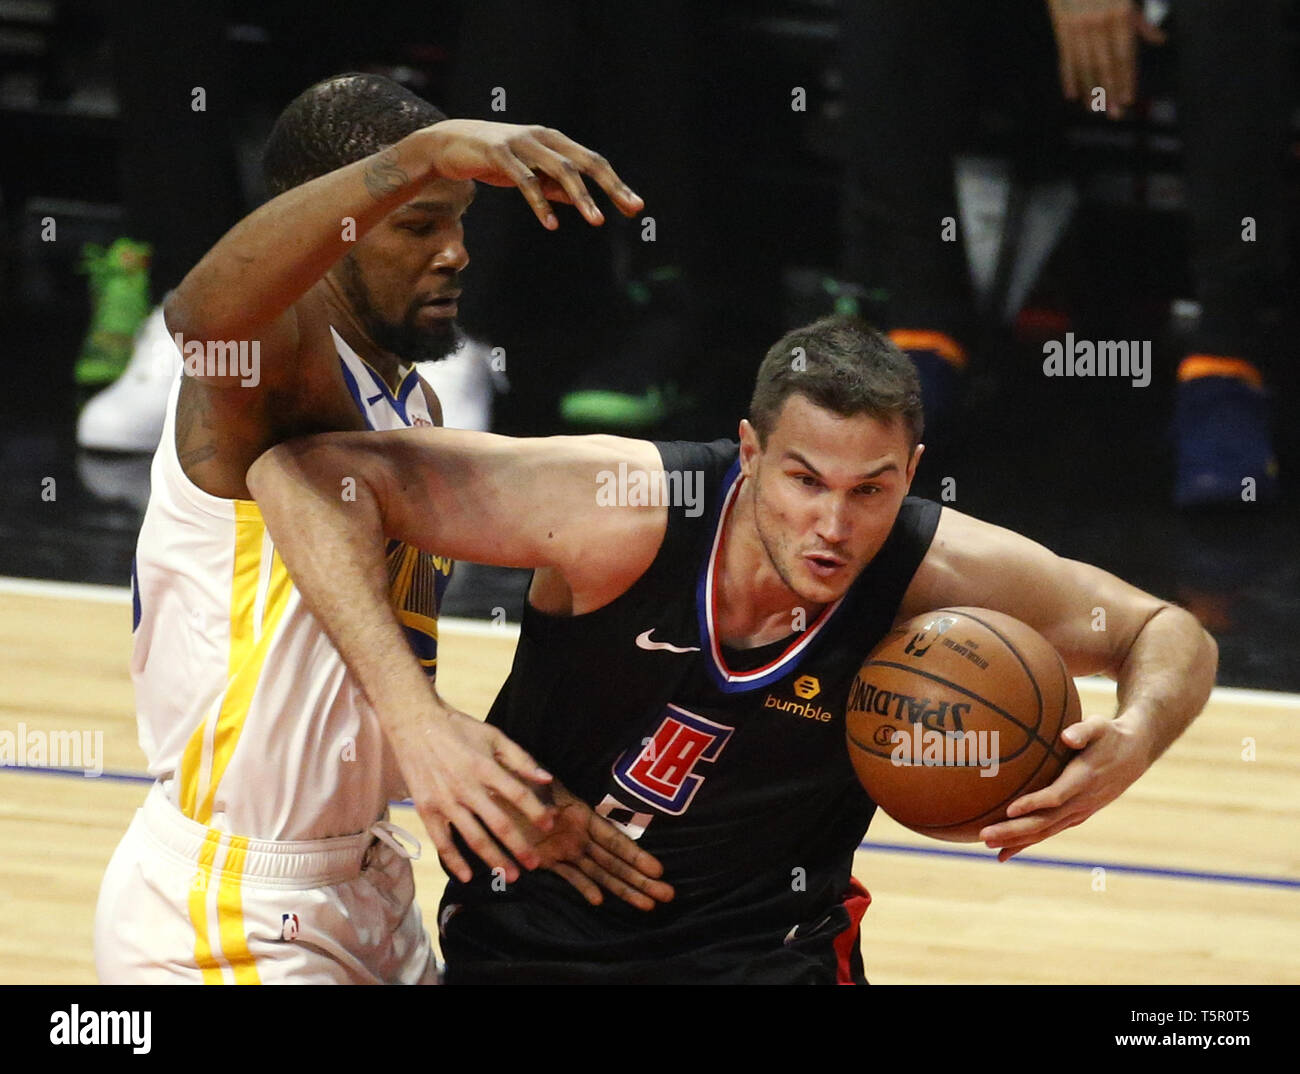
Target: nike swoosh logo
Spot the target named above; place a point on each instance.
(375, 398)
(643, 642)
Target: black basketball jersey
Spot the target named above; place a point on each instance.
(729, 766)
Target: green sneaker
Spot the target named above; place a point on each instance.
(612, 409)
(119, 289)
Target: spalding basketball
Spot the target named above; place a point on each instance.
(955, 715)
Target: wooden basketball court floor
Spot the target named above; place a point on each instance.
(1193, 876)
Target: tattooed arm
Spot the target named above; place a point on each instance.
(246, 285)
(252, 277)
(256, 288)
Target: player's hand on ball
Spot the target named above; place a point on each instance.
(1114, 754)
(544, 164)
(461, 772)
(590, 853)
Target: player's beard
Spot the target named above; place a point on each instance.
(407, 339)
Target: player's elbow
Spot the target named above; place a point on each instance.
(1209, 651)
(1191, 636)
(1200, 639)
(308, 462)
(268, 472)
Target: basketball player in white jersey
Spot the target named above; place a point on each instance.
(263, 852)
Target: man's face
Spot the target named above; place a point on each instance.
(403, 276)
(827, 490)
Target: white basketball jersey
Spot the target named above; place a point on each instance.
(246, 711)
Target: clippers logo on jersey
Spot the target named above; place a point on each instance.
(661, 771)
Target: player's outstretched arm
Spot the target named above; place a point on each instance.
(329, 503)
(246, 285)
(1162, 659)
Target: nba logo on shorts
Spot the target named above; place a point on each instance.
(288, 926)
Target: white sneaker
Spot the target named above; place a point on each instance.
(465, 383)
(128, 415)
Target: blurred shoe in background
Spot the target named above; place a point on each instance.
(940, 367)
(808, 294)
(119, 293)
(1221, 425)
(128, 415)
(636, 389)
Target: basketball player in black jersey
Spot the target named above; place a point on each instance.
(683, 667)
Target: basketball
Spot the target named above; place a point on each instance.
(955, 715)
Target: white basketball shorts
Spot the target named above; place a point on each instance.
(183, 903)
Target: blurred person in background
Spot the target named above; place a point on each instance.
(912, 72)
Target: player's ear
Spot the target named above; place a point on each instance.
(917, 452)
(750, 448)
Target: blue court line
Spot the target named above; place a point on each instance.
(1066, 863)
(866, 845)
(80, 773)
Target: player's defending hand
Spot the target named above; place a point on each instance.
(1113, 755)
(543, 163)
(590, 853)
(459, 773)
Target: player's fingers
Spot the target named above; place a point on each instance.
(554, 192)
(1066, 786)
(513, 834)
(1089, 729)
(521, 797)
(529, 185)
(585, 887)
(1012, 831)
(1100, 73)
(1065, 64)
(618, 844)
(514, 757)
(471, 831)
(452, 859)
(561, 169)
(1072, 781)
(1081, 65)
(593, 164)
(1124, 45)
(625, 873)
(614, 885)
(1039, 826)
(1067, 820)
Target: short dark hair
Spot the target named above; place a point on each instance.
(339, 120)
(842, 364)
